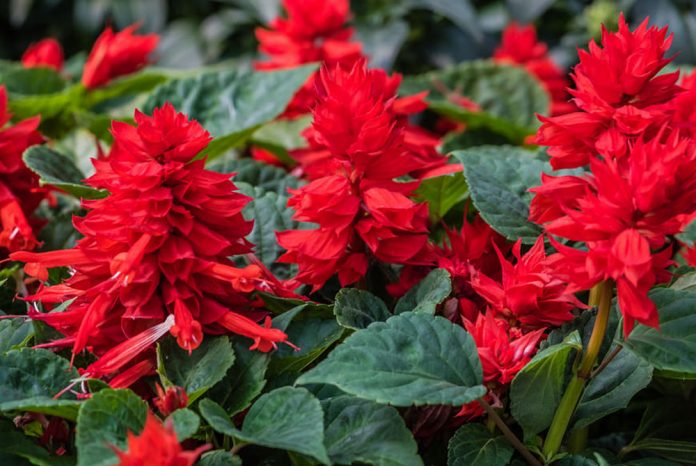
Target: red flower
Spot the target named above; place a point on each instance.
(170, 400)
(20, 193)
(117, 54)
(157, 246)
(520, 45)
(314, 31)
(361, 211)
(619, 93)
(157, 445)
(46, 52)
(503, 350)
(530, 294)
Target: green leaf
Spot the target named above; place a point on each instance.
(32, 81)
(537, 389)
(508, 95)
(185, 422)
(356, 309)
(258, 174)
(127, 85)
(231, 104)
(287, 419)
(362, 431)
(199, 371)
(498, 178)
(688, 236)
(14, 333)
(686, 282)
(243, 382)
(49, 106)
(31, 378)
(219, 458)
(442, 193)
(473, 445)
(16, 449)
(58, 170)
(281, 136)
(612, 388)
(313, 336)
(411, 359)
(427, 294)
(103, 424)
(672, 347)
(667, 429)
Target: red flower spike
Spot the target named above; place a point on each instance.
(117, 54)
(530, 294)
(361, 211)
(45, 53)
(170, 400)
(157, 445)
(154, 257)
(20, 193)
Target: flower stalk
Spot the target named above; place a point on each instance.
(600, 296)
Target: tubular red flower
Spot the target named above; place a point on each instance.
(157, 444)
(47, 53)
(154, 256)
(117, 54)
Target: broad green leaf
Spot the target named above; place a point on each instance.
(356, 309)
(231, 104)
(537, 389)
(17, 449)
(279, 305)
(287, 418)
(686, 282)
(575, 460)
(199, 371)
(243, 382)
(32, 81)
(508, 95)
(14, 333)
(185, 423)
(612, 389)
(442, 193)
(473, 445)
(58, 170)
(31, 378)
(471, 138)
(672, 347)
(362, 431)
(281, 136)
(103, 424)
(313, 336)
(127, 85)
(219, 458)
(411, 359)
(667, 429)
(427, 294)
(49, 106)
(688, 236)
(258, 174)
(498, 178)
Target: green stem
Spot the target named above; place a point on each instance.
(600, 296)
(577, 440)
(509, 435)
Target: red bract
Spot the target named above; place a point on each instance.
(171, 399)
(45, 53)
(619, 93)
(154, 257)
(503, 350)
(117, 54)
(157, 445)
(520, 45)
(530, 294)
(314, 31)
(361, 211)
(20, 194)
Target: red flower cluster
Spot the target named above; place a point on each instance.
(157, 445)
(640, 190)
(154, 257)
(314, 31)
(47, 53)
(20, 194)
(117, 54)
(361, 211)
(520, 45)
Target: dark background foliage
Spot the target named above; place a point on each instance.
(408, 35)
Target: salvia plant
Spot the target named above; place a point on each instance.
(315, 261)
